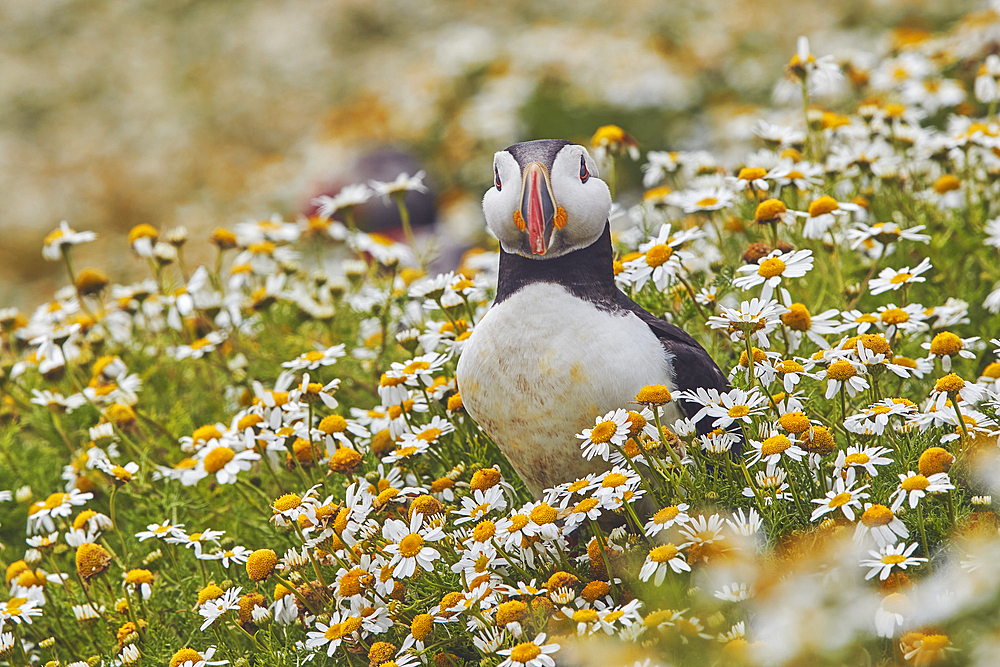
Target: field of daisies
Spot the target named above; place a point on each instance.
(266, 460)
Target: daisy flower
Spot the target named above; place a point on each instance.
(237, 555)
(588, 508)
(330, 635)
(842, 497)
(609, 431)
(771, 449)
(907, 319)
(888, 557)
(916, 486)
(953, 384)
(194, 541)
(800, 323)
(890, 279)
(213, 609)
(702, 199)
(823, 214)
(403, 183)
(224, 463)
(945, 345)
(188, 657)
(158, 530)
(63, 236)
(407, 545)
(672, 515)
(771, 268)
(535, 653)
(884, 233)
(734, 405)
(477, 506)
(747, 525)
(315, 359)
(348, 197)
(703, 530)
(843, 373)
(756, 318)
(737, 592)
(661, 259)
(659, 559)
(873, 419)
(884, 526)
(861, 457)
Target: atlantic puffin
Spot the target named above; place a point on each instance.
(561, 344)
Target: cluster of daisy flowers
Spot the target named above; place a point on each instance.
(270, 456)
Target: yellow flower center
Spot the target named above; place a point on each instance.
(947, 183)
(663, 553)
(421, 626)
(333, 424)
(185, 655)
(946, 344)
(658, 255)
(484, 531)
(410, 545)
(840, 500)
(794, 422)
(585, 616)
(894, 316)
(666, 514)
(822, 206)
(841, 370)
(893, 559)
(950, 383)
(206, 433)
(525, 652)
(935, 643)
(287, 502)
(738, 411)
(797, 318)
(543, 514)
(751, 173)
(935, 460)
(217, 459)
(858, 459)
(771, 267)
(707, 201)
(877, 515)
(603, 432)
(775, 445)
(613, 480)
(915, 483)
(261, 563)
(429, 434)
(900, 278)
(585, 505)
(653, 394)
(518, 521)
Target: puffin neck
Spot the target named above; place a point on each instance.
(587, 273)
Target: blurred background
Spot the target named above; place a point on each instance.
(208, 113)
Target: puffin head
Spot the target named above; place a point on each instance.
(547, 199)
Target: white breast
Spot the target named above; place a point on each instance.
(542, 365)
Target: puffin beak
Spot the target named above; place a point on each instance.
(538, 207)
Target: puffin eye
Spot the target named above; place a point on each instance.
(584, 173)
(496, 177)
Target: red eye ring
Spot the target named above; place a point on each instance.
(496, 178)
(584, 172)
